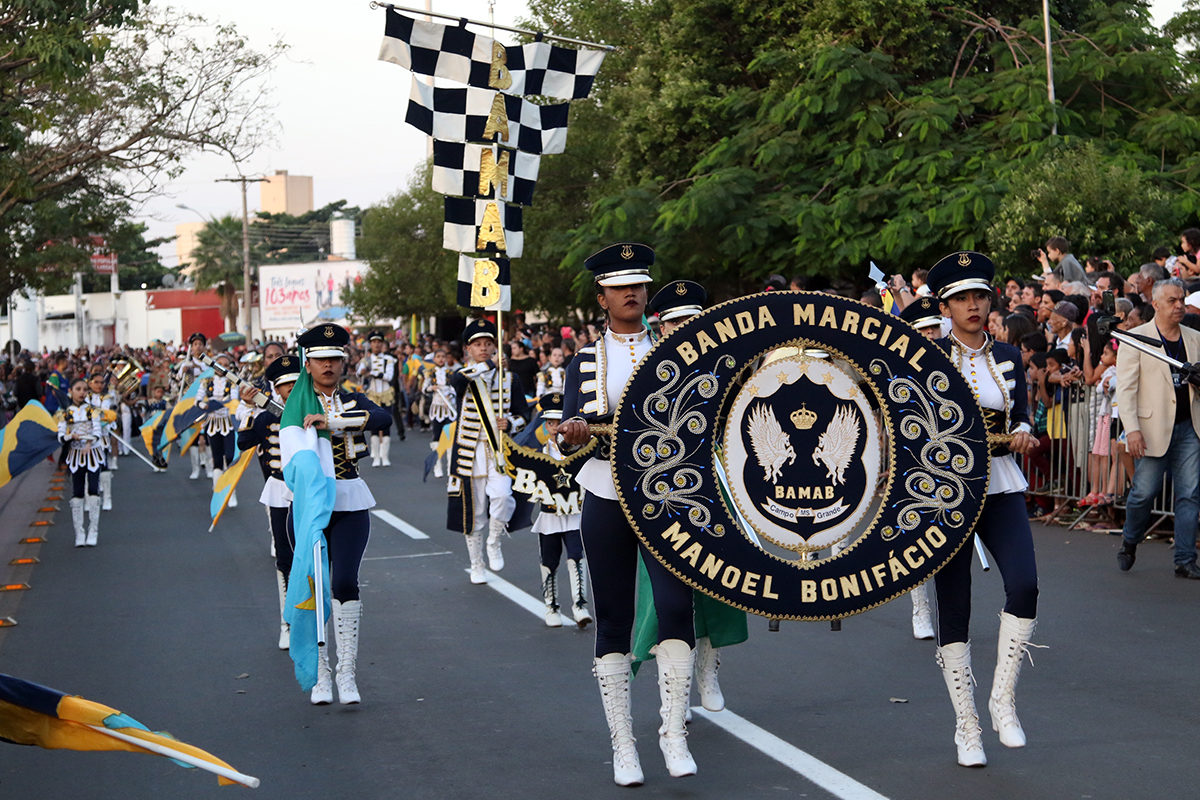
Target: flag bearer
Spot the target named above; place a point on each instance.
(349, 417)
(215, 392)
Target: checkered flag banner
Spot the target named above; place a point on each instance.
(484, 283)
(456, 54)
(485, 115)
(483, 226)
(477, 170)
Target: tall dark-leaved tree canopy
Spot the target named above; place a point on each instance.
(744, 138)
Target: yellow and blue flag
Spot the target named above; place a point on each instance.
(184, 414)
(27, 439)
(440, 448)
(307, 456)
(32, 714)
(226, 485)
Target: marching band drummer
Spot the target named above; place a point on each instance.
(962, 283)
(350, 417)
(717, 624)
(380, 367)
(187, 372)
(82, 428)
(261, 430)
(596, 379)
(558, 528)
(215, 391)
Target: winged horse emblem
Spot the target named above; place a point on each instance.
(836, 446)
(771, 445)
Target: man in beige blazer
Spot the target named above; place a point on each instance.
(1161, 413)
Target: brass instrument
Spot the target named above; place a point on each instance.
(125, 370)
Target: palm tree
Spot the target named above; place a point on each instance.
(217, 264)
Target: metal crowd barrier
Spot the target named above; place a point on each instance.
(1067, 463)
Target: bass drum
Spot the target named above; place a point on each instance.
(800, 455)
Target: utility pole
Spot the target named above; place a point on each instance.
(243, 180)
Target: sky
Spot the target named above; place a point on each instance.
(340, 109)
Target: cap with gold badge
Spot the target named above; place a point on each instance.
(551, 405)
(284, 369)
(959, 272)
(324, 341)
(922, 313)
(678, 300)
(621, 264)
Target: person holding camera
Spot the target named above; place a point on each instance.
(1161, 413)
(1058, 249)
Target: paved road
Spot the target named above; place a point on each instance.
(467, 694)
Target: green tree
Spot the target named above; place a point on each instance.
(217, 263)
(745, 138)
(1109, 210)
(100, 102)
(410, 271)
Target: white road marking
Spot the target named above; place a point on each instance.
(837, 783)
(831, 780)
(413, 555)
(399, 524)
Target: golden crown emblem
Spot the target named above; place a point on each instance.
(803, 418)
(328, 331)
(964, 260)
(287, 362)
(627, 252)
(680, 289)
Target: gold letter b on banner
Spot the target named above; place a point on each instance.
(485, 288)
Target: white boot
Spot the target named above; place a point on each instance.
(216, 475)
(496, 529)
(112, 459)
(675, 662)
(385, 447)
(550, 595)
(955, 661)
(77, 519)
(922, 617)
(346, 617)
(475, 551)
(195, 454)
(1015, 634)
(375, 451)
(612, 673)
(206, 459)
(708, 660)
(93, 508)
(106, 489)
(285, 630)
(322, 693)
(233, 499)
(578, 592)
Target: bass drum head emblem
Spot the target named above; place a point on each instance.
(792, 411)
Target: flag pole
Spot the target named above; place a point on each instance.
(463, 20)
(499, 455)
(162, 750)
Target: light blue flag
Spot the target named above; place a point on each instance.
(307, 456)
